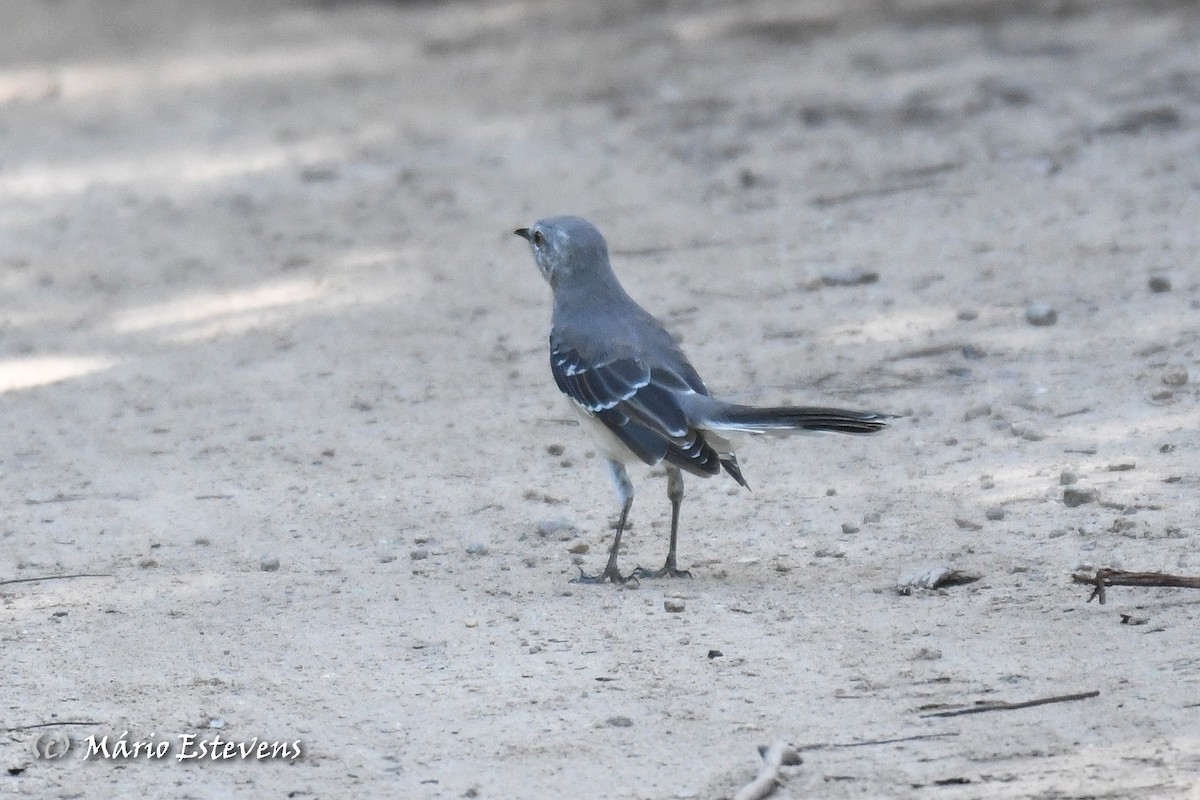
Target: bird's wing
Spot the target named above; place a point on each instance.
(639, 404)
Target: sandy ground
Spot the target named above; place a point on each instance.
(262, 306)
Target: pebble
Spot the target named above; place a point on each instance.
(1175, 376)
(477, 549)
(715, 654)
(1073, 496)
(829, 552)
(1067, 477)
(976, 411)
(269, 564)
(855, 276)
(216, 722)
(1027, 431)
(987, 482)
(927, 654)
(871, 517)
(619, 722)
(554, 449)
(1121, 466)
(420, 554)
(579, 548)
(674, 605)
(995, 513)
(967, 525)
(1159, 283)
(850, 527)
(1040, 314)
(559, 529)
(967, 314)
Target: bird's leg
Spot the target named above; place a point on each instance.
(625, 492)
(675, 494)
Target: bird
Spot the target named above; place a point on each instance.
(628, 379)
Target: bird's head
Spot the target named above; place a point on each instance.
(566, 248)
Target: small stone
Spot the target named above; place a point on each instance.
(1027, 431)
(950, 441)
(1120, 466)
(1067, 477)
(554, 449)
(967, 525)
(674, 605)
(579, 548)
(619, 722)
(871, 517)
(216, 723)
(850, 527)
(1175, 376)
(976, 411)
(927, 654)
(1075, 496)
(995, 513)
(855, 276)
(830, 492)
(987, 482)
(1161, 395)
(972, 353)
(471, 623)
(967, 314)
(715, 654)
(269, 564)
(477, 549)
(559, 529)
(1040, 314)
(420, 554)
(829, 552)
(1159, 283)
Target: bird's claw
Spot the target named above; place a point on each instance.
(666, 571)
(609, 574)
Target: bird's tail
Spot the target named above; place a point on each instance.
(797, 419)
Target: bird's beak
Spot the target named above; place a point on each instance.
(523, 233)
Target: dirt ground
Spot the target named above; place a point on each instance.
(278, 414)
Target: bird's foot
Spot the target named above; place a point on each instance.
(668, 570)
(610, 574)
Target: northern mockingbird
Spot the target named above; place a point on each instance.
(628, 379)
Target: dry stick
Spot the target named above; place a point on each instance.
(56, 577)
(873, 742)
(50, 725)
(1062, 698)
(774, 758)
(1118, 577)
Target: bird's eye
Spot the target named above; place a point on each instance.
(538, 239)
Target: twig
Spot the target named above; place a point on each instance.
(873, 742)
(56, 577)
(1116, 577)
(50, 725)
(1041, 701)
(775, 757)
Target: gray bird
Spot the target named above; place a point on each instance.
(628, 379)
